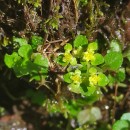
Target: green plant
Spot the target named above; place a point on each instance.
(123, 123)
(35, 3)
(83, 2)
(87, 70)
(26, 61)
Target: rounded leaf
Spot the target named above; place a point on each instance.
(35, 41)
(115, 46)
(103, 80)
(68, 47)
(98, 59)
(20, 41)
(73, 61)
(126, 116)
(25, 51)
(120, 125)
(92, 70)
(40, 60)
(113, 60)
(93, 46)
(84, 116)
(67, 78)
(22, 67)
(121, 75)
(80, 40)
(11, 59)
(96, 112)
(91, 90)
(76, 88)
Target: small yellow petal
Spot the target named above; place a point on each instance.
(67, 57)
(88, 56)
(93, 79)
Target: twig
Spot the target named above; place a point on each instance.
(115, 103)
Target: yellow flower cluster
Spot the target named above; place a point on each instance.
(93, 79)
(67, 57)
(76, 77)
(88, 55)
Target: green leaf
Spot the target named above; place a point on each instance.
(67, 57)
(76, 88)
(115, 46)
(92, 70)
(83, 116)
(112, 80)
(98, 59)
(121, 75)
(103, 80)
(68, 47)
(35, 77)
(72, 108)
(67, 77)
(96, 114)
(120, 125)
(91, 90)
(78, 52)
(113, 60)
(126, 116)
(80, 40)
(11, 59)
(40, 60)
(89, 115)
(93, 46)
(20, 41)
(35, 41)
(59, 60)
(22, 67)
(25, 51)
(84, 2)
(73, 61)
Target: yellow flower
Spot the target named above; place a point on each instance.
(93, 79)
(76, 77)
(67, 57)
(88, 56)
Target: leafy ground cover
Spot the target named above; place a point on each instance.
(65, 65)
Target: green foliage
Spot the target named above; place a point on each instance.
(113, 60)
(87, 68)
(83, 68)
(123, 123)
(36, 97)
(35, 3)
(83, 2)
(87, 72)
(35, 41)
(89, 115)
(115, 46)
(80, 40)
(25, 62)
(126, 116)
(20, 41)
